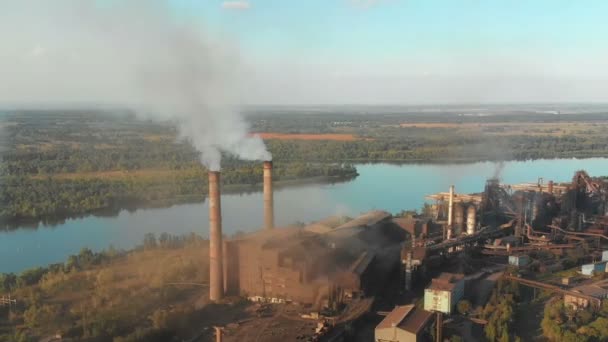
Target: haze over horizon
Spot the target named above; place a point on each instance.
(343, 51)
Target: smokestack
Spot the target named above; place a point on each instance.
(550, 187)
(450, 212)
(218, 334)
(216, 269)
(268, 196)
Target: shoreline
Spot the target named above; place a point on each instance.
(132, 206)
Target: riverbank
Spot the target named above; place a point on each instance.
(136, 204)
(388, 187)
(154, 292)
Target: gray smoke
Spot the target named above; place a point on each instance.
(134, 53)
(498, 168)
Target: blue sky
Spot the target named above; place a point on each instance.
(500, 50)
(331, 51)
(386, 29)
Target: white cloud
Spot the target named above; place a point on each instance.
(240, 5)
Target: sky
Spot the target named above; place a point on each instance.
(404, 51)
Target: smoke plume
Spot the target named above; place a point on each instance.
(498, 168)
(140, 54)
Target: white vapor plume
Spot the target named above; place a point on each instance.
(136, 53)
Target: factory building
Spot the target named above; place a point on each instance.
(405, 324)
(444, 292)
(591, 269)
(519, 260)
(316, 266)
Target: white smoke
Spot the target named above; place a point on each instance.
(136, 53)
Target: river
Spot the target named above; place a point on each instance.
(379, 186)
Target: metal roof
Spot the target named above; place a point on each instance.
(406, 317)
(445, 281)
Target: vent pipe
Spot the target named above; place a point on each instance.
(450, 213)
(216, 268)
(268, 196)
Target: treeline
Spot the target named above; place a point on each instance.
(86, 259)
(85, 298)
(24, 198)
(444, 148)
(563, 323)
(60, 164)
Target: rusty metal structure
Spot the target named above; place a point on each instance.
(320, 268)
(216, 268)
(511, 219)
(268, 196)
(595, 302)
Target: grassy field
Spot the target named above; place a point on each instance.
(148, 292)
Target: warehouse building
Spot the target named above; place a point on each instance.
(405, 324)
(318, 266)
(444, 292)
(591, 269)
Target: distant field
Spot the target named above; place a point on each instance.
(328, 136)
(510, 128)
(144, 173)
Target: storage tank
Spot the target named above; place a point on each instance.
(471, 219)
(458, 218)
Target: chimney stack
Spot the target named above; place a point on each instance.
(216, 269)
(268, 196)
(450, 213)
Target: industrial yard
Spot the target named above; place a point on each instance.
(328, 280)
(476, 266)
(314, 171)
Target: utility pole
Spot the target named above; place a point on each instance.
(439, 327)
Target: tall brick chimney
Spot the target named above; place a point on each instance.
(268, 196)
(216, 269)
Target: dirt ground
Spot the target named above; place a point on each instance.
(279, 322)
(282, 136)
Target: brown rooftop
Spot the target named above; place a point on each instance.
(416, 320)
(366, 220)
(446, 281)
(406, 317)
(395, 317)
(598, 290)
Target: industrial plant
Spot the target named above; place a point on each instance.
(338, 273)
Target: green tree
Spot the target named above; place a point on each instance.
(150, 241)
(464, 307)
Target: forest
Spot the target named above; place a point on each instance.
(58, 164)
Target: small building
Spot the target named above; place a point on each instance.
(444, 292)
(591, 269)
(597, 290)
(405, 324)
(519, 260)
(605, 256)
(567, 280)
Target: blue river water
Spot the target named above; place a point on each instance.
(379, 186)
